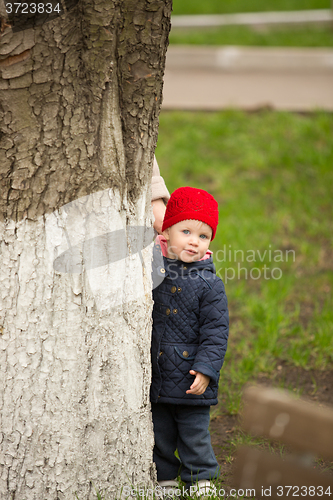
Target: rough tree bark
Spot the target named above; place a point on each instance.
(79, 102)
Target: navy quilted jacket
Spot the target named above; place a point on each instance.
(190, 330)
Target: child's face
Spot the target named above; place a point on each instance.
(188, 240)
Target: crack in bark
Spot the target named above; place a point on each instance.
(9, 61)
(111, 137)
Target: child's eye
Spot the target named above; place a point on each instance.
(203, 236)
(186, 231)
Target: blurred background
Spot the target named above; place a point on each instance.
(247, 115)
(250, 54)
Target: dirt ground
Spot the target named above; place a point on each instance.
(312, 385)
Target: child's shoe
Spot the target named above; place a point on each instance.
(167, 488)
(204, 489)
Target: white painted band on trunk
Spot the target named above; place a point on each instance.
(74, 358)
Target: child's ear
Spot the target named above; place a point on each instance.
(165, 233)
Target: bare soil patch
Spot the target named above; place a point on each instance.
(311, 385)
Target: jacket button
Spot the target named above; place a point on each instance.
(179, 289)
(184, 267)
(158, 397)
(161, 353)
(162, 270)
(173, 289)
(167, 312)
(185, 354)
(175, 311)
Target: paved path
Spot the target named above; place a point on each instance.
(322, 16)
(214, 78)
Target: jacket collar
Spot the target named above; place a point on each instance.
(173, 265)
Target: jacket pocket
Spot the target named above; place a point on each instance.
(187, 354)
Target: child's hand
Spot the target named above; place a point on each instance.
(200, 383)
(158, 211)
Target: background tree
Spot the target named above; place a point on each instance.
(79, 101)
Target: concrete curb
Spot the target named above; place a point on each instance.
(234, 58)
(322, 16)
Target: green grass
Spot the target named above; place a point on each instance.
(294, 36)
(272, 175)
(297, 36)
(229, 6)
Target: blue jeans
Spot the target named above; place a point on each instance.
(185, 428)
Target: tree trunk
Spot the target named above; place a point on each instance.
(79, 101)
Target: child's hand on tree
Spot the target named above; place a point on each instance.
(200, 383)
(158, 211)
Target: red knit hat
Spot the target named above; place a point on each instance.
(191, 203)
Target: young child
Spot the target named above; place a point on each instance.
(189, 341)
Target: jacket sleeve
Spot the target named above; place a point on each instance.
(158, 187)
(214, 331)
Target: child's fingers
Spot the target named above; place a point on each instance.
(196, 380)
(194, 391)
(198, 391)
(197, 386)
